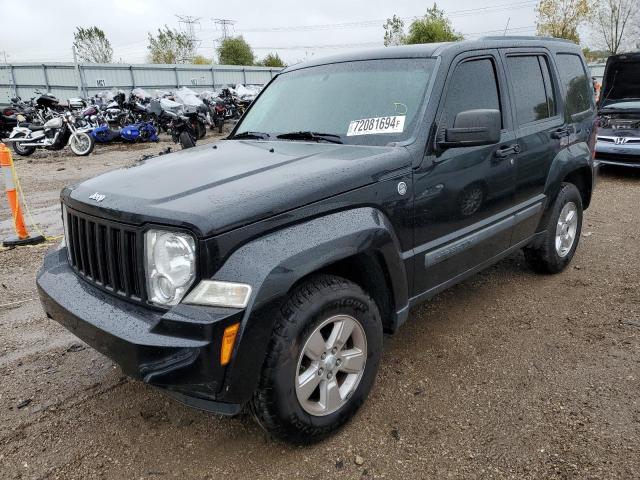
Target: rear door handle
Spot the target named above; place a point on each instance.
(506, 151)
(561, 132)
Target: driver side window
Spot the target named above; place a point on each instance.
(472, 86)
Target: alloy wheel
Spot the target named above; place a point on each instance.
(331, 365)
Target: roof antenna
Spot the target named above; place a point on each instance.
(507, 27)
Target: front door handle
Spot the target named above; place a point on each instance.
(506, 151)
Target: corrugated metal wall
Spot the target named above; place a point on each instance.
(65, 80)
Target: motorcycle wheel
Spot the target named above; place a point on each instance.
(186, 141)
(81, 144)
(20, 150)
(202, 130)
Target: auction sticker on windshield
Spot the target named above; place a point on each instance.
(375, 126)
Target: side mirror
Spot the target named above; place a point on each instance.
(472, 128)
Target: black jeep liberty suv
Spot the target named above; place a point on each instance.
(262, 271)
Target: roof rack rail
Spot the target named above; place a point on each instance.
(525, 37)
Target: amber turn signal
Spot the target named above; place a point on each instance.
(228, 340)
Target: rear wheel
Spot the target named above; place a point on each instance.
(21, 150)
(186, 140)
(322, 360)
(563, 224)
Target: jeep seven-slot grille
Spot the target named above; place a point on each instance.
(106, 254)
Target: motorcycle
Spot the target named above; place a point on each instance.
(55, 134)
(133, 133)
(8, 121)
(217, 112)
(179, 125)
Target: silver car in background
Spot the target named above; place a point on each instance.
(618, 137)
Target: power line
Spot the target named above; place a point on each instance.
(379, 22)
(379, 43)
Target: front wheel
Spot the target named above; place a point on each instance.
(563, 224)
(322, 360)
(186, 140)
(81, 144)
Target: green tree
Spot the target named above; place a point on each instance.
(433, 27)
(561, 18)
(394, 32)
(92, 45)
(235, 51)
(272, 60)
(170, 46)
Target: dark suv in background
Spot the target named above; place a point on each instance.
(262, 271)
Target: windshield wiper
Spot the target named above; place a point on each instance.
(256, 135)
(317, 136)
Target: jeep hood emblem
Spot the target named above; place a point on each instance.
(98, 197)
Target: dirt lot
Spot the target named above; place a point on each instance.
(508, 375)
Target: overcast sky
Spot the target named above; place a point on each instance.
(293, 28)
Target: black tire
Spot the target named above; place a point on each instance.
(543, 257)
(202, 130)
(275, 404)
(20, 150)
(186, 141)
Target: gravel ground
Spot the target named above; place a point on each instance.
(507, 375)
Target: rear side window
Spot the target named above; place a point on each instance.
(473, 86)
(576, 83)
(532, 89)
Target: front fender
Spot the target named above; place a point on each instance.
(274, 263)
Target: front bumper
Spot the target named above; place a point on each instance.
(626, 154)
(177, 350)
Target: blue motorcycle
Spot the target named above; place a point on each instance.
(133, 133)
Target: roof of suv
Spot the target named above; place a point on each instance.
(436, 49)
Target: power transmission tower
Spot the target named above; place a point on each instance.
(187, 24)
(225, 24)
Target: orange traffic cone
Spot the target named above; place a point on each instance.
(22, 236)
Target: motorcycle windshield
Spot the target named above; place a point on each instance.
(187, 97)
(170, 105)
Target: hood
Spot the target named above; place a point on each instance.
(621, 81)
(214, 188)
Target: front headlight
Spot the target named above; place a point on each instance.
(170, 265)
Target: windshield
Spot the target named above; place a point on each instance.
(372, 102)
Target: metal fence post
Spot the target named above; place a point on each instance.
(46, 77)
(13, 81)
(244, 76)
(133, 78)
(213, 79)
(175, 70)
